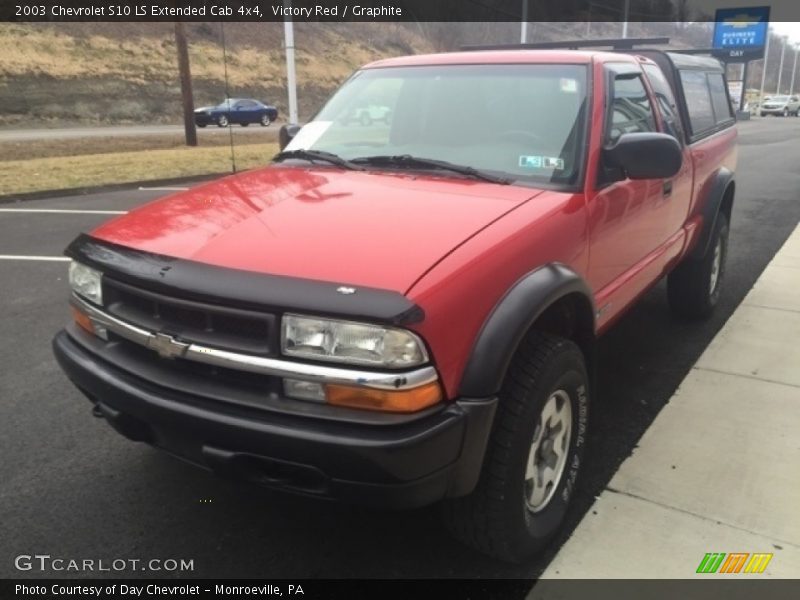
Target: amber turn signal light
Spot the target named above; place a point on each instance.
(82, 319)
(405, 401)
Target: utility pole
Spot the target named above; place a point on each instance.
(794, 70)
(291, 80)
(625, 16)
(764, 70)
(523, 35)
(780, 67)
(589, 22)
(186, 84)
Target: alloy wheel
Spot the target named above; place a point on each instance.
(547, 458)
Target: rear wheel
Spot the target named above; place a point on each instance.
(693, 288)
(533, 456)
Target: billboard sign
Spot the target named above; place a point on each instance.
(740, 34)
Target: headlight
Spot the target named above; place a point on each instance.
(349, 342)
(86, 282)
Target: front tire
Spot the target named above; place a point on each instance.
(222, 121)
(693, 288)
(265, 120)
(533, 455)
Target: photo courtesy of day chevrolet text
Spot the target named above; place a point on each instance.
(155, 590)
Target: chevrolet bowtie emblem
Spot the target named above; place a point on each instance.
(166, 345)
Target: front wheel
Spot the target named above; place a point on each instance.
(693, 288)
(533, 455)
(265, 120)
(222, 121)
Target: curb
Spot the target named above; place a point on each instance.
(113, 187)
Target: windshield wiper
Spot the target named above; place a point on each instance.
(408, 161)
(317, 155)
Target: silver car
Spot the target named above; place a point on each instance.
(780, 105)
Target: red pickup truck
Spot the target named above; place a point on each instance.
(406, 311)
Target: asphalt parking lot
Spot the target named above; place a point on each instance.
(73, 488)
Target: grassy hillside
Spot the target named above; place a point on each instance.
(65, 73)
(112, 73)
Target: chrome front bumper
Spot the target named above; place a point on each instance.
(169, 347)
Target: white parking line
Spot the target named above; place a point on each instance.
(163, 189)
(41, 258)
(63, 211)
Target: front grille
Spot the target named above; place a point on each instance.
(219, 381)
(211, 325)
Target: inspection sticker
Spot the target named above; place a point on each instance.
(569, 86)
(528, 161)
(553, 163)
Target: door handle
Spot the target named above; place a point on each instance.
(667, 189)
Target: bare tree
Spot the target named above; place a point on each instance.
(186, 84)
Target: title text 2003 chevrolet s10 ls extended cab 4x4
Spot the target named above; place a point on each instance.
(406, 313)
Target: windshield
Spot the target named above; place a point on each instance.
(526, 121)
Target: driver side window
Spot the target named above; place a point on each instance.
(631, 111)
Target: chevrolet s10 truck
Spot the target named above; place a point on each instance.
(406, 312)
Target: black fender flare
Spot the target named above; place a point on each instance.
(510, 320)
(723, 180)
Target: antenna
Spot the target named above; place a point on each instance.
(227, 93)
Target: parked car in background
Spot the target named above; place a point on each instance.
(241, 111)
(780, 105)
(366, 115)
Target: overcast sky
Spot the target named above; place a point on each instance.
(788, 28)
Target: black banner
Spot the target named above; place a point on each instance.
(209, 589)
(374, 10)
(712, 587)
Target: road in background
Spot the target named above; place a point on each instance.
(74, 488)
(26, 135)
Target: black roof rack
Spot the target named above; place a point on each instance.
(693, 51)
(616, 44)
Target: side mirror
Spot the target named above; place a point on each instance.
(286, 135)
(644, 156)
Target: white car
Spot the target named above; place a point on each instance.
(366, 115)
(780, 105)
